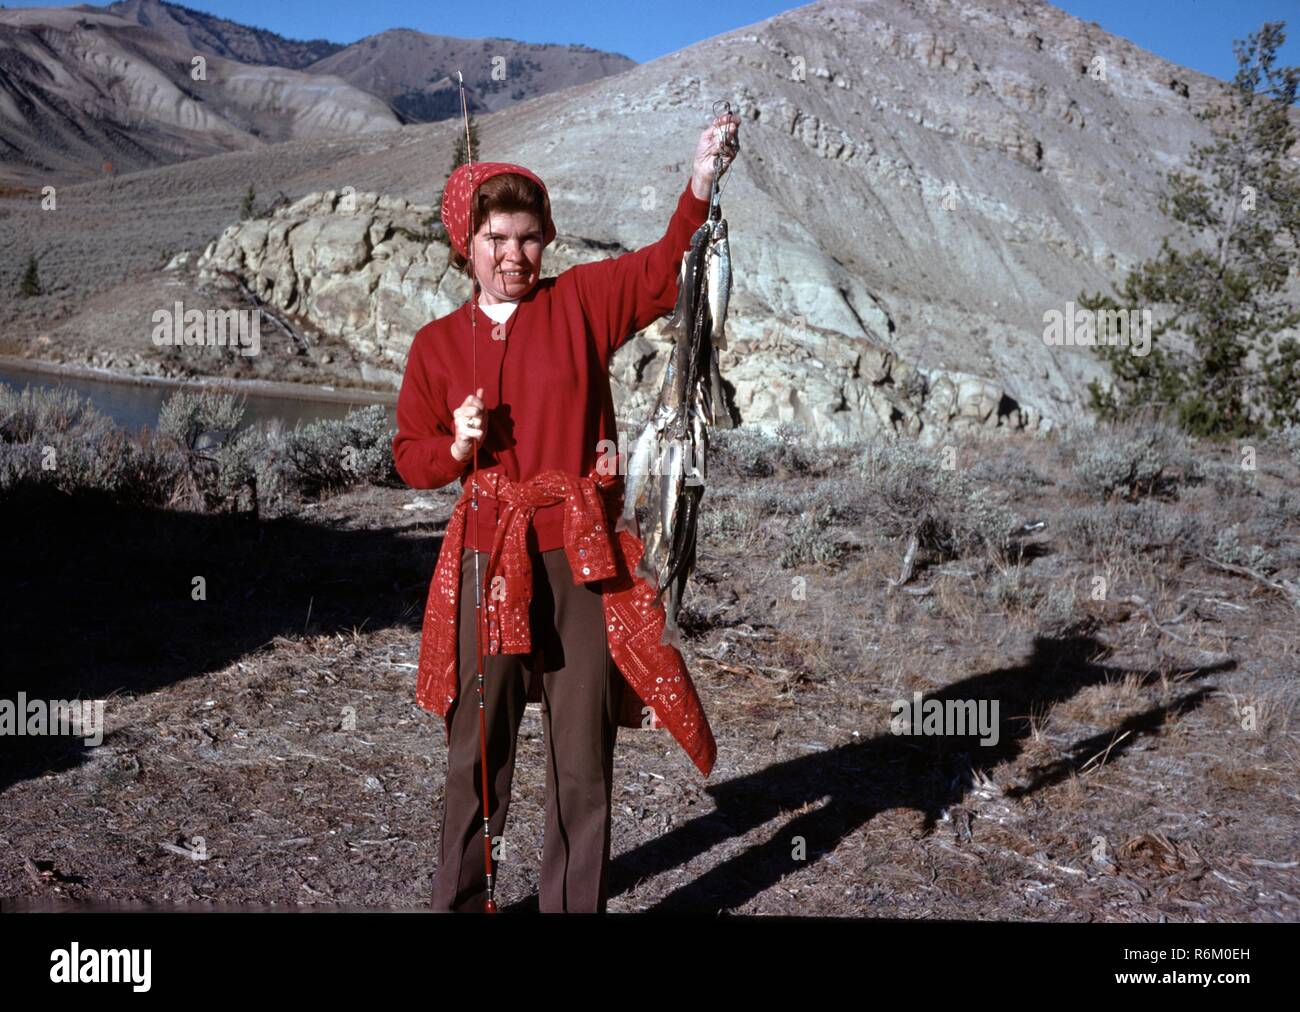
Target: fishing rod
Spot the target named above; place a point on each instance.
(491, 906)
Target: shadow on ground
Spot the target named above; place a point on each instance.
(850, 784)
(100, 599)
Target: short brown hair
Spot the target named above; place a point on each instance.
(506, 191)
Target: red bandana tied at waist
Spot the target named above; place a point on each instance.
(654, 673)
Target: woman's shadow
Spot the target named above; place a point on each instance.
(852, 783)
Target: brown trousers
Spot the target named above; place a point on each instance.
(580, 694)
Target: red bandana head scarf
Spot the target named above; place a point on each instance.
(459, 191)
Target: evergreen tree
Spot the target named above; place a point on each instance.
(31, 283)
(1218, 363)
(458, 158)
(246, 209)
(458, 154)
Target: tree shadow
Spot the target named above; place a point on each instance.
(844, 787)
(100, 599)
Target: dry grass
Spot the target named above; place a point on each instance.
(1116, 724)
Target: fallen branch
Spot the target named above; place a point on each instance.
(1134, 599)
(1287, 590)
(1104, 754)
(909, 563)
(1269, 864)
(259, 304)
(752, 670)
(1219, 602)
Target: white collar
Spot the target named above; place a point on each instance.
(499, 311)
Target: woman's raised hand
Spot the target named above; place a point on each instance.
(722, 136)
(471, 421)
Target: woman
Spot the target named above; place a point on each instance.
(515, 383)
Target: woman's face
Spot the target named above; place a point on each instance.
(507, 255)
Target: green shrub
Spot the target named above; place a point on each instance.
(36, 411)
(1133, 460)
(250, 472)
(750, 452)
(808, 540)
(1230, 479)
(744, 452)
(1220, 362)
(189, 417)
(57, 439)
(1228, 548)
(908, 492)
(1009, 469)
(30, 285)
(1290, 440)
(198, 455)
(332, 455)
(1059, 612)
(1133, 529)
(722, 519)
(1011, 590)
(221, 461)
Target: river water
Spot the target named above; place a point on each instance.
(135, 405)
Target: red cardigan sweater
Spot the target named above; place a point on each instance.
(544, 373)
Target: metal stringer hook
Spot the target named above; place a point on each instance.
(726, 138)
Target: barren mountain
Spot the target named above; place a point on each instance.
(213, 36)
(88, 90)
(83, 93)
(919, 183)
(411, 70)
(415, 72)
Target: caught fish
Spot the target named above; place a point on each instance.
(719, 282)
(668, 466)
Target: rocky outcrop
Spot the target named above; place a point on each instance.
(360, 267)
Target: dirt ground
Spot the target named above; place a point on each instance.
(1145, 767)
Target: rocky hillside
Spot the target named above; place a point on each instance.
(410, 70)
(920, 183)
(920, 179)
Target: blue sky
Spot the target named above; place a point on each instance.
(1194, 33)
